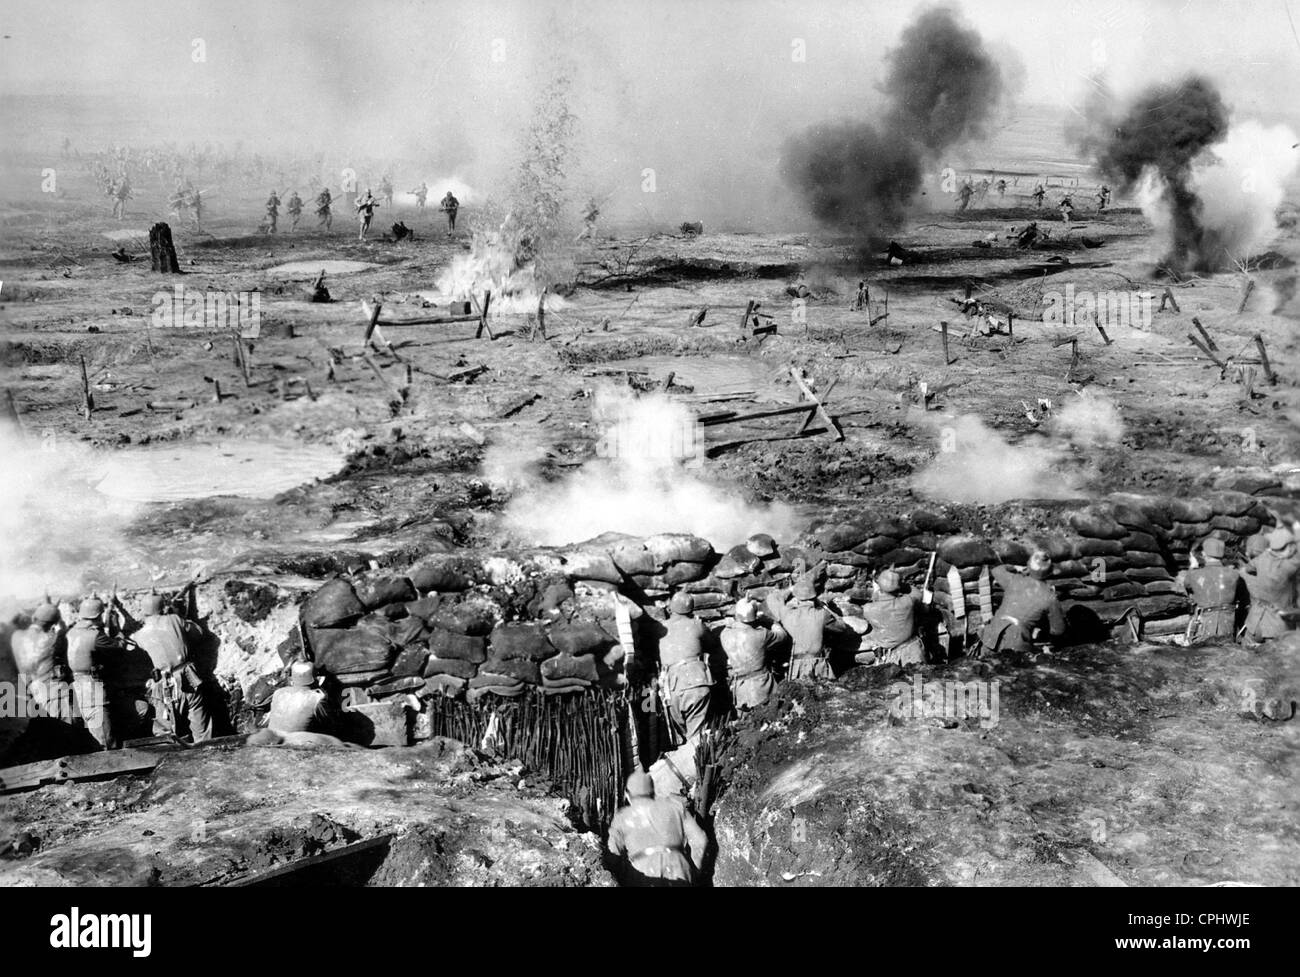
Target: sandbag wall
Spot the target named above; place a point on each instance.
(481, 625)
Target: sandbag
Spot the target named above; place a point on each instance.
(703, 602)
(678, 548)
(1237, 525)
(899, 527)
(354, 680)
(470, 617)
(1011, 552)
(903, 556)
(396, 684)
(565, 688)
(966, 551)
(505, 692)
(1147, 574)
(392, 612)
(520, 641)
(1190, 510)
(835, 571)
(1142, 542)
(926, 521)
(634, 558)
(840, 536)
(380, 587)
(581, 638)
(1057, 547)
(334, 605)
(1096, 524)
(363, 648)
(424, 608)
(448, 685)
(482, 680)
(761, 545)
(592, 565)
(877, 545)
(410, 661)
(1231, 503)
(1122, 591)
(516, 668)
(1098, 547)
(683, 573)
(449, 644)
(444, 573)
(409, 631)
(553, 598)
(1139, 558)
(450, 666)
(1190, 530)
(570, 666)
(737, 562)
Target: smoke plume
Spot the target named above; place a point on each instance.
(638, 485)
(942, 88)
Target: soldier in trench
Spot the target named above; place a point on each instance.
(657, 840)
(1029, 606)
(1271, 579)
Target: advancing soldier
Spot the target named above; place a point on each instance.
(1103, 198)
(177, 687)
(893, 638)
(295, 210)
(323, 201)
(805, 619)
(91, 652)
(41, 655)
(747, 643)
(272, 211)
(196, 204)
(301, 706)
(964, 195)
(121, 194)
(1002, 188)
(386, 191)
(1067, 208)
(1028, 603)
(179, 200)
(684, 673)
(1039, 194)
(1271, 580)
(450, 205)
(366, 212)
(1214, 587)
(421, 194)
(661, 841)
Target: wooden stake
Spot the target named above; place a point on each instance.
(241, 359)
(373, 324)
(825, 415)
(483, 316)
(1245, 296)
(744, 322)
(947, 360)
(1223, 367)
(87, 398)
(1097, 322)
(1269, 375)
(1204, 335)
(1010, 316)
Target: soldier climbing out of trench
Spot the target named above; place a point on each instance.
(1215, 588)
(91, 655)
(657, 839)
(1029, 604)
(177, 689)
(1271, 579)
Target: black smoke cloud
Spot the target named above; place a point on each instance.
(942, 87)
(1165, 129)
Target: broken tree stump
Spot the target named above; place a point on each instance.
(162, 253)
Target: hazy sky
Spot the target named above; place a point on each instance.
(705, 83)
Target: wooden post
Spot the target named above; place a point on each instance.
(820, 409)
(242, 359)
(373, 324)
(216, 390)
(1097, 322)
(483, 316)
(1074, 358)
(1223, 367)
(1269, 375)
(1168, 296)
(87, 398)
(1245, 296)
(1010, 316)
(744, 322)
(541, 314)
(1204, 335)
(947, 360)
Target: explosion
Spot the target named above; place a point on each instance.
(943, 86)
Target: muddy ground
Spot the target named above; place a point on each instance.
(1144, 742)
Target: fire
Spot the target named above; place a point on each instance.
(498, 261)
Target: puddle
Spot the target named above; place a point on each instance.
(330, 267)
(715, 375)
(247, 469)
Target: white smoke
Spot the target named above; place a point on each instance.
(57, 533)
(641, 483)
(493, 264)
(1089, 420)
(1240, 182)
(975, 464)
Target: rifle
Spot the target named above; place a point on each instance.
(927, 595)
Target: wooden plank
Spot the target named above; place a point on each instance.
(109, 763)
(727, 417)
(290, 868)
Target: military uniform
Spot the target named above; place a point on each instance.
(684, 674)
(177, 692)
(662, 841)
(748, 677)
(893, 634)
(1027, 603)
(1270, 578)
(90, 654)
(41, 656)
(806, 623)
(1214, 589)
